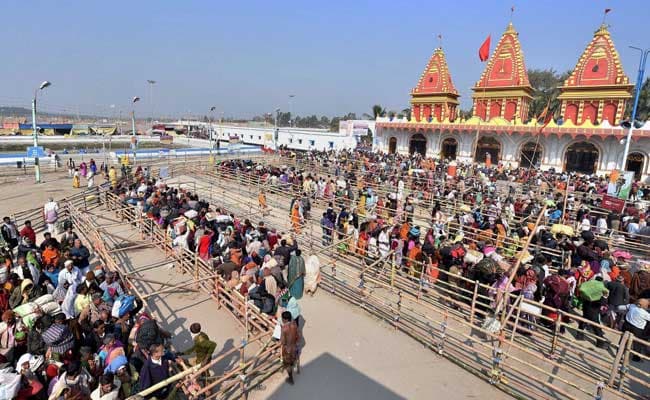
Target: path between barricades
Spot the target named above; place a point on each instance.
(178, 308)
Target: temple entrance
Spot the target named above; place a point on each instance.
(488, 145)
(531, 155)
(418, 144)
(581, 157)
(635, 163)
(392, 145)
(449, 149)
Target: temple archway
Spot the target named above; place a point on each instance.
(635, 162)
(392, 145)
(531, 154)
(488, 145)
(581, 157)
(449, 149)
(418, 144)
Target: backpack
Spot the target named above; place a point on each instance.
(123, 305)
(148, 334)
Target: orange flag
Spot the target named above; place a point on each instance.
(484, 50)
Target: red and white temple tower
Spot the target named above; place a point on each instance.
(435, 96)
(503, 90)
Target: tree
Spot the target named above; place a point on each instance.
(334, 124)
(546, 85)
(643, 108)
(377, 111)
(406, 113)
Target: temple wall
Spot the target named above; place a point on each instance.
(553, 148)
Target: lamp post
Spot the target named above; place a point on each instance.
(37, 167)
(276, 133)
(639, 85)
(211, 158)
(291, 96)
(151, 83)
(133, 139)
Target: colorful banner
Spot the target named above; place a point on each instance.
(626, 188)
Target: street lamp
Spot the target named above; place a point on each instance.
(134, 140)
(291, 96)
(151, 83)
(639, 85)
(211, 159)
(37, 167)
(276, 132)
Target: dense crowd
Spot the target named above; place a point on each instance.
(70, 329)
(474, 224)
(255, 260)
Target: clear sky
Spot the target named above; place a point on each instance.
(246, 57)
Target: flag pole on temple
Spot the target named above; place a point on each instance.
(607, 10)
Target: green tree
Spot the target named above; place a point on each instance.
(406, 113)
(377, 111)
(643, 108)
(334, 124)
(546, 85)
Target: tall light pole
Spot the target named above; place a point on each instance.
(134, 139)
(276, 132)
(639, 86)
(211, 159)
(291, 96)
(37, 167)
(151, 83)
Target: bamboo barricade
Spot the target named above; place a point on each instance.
(250, 372)
(560, 348)
(584, 372)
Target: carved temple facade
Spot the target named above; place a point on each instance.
(585, 135)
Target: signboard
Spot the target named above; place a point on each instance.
(620, 186)
(33, 152)
(613, 204)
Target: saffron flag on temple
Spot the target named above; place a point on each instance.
(484, 50)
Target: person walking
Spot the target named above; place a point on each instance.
(51, 215)
(289, 339)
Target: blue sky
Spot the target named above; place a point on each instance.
(246, 57)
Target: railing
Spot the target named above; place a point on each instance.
(445, 314)
(249, 372)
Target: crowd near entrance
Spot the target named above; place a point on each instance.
(418, 144)
(392, 145)
(634, 163)
(449, 149)
(488, 145)
(581, 157)
(531, 155)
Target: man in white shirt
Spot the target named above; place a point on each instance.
(636, 319)
(70, 274)
(51, 214)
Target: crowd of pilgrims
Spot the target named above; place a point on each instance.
(474, 225)
(71, 330)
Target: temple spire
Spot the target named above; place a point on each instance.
(435, 94)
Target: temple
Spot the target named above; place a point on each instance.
(435, 96)
(503, 90)
(584, 136)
